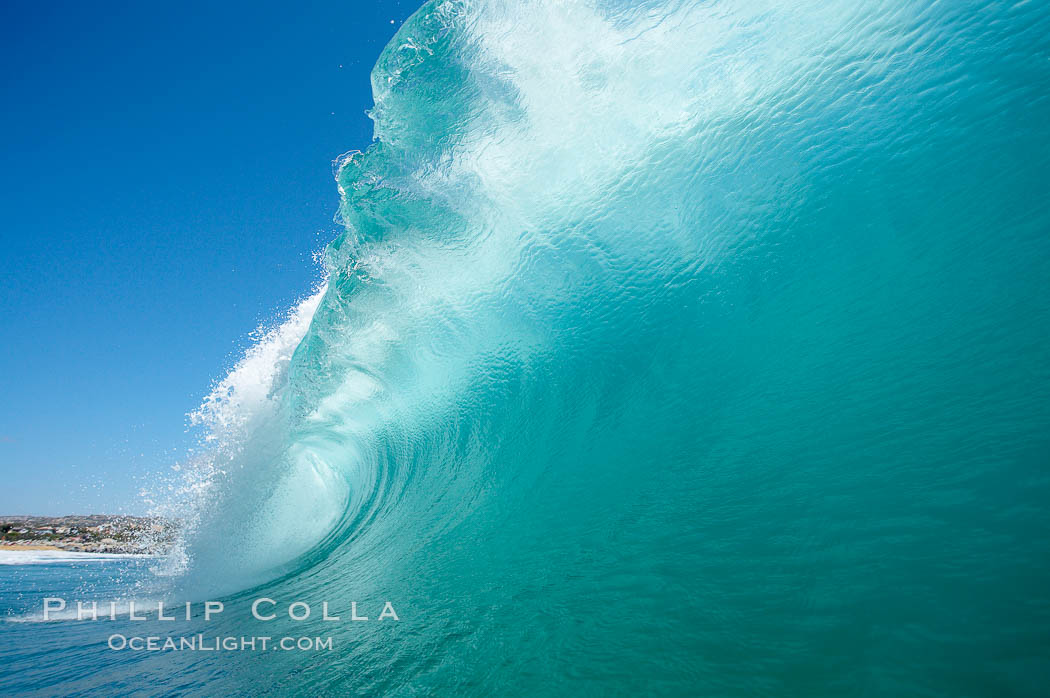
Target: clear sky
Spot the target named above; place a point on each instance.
(166, 179)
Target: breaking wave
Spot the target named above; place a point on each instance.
(665, 339)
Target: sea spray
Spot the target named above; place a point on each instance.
(241, 410)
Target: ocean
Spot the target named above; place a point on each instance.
(670, 348)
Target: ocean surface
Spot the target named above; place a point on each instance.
(671, 348)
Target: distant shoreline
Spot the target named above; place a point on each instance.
(94, 534)
(6, 546)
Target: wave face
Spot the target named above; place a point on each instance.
(670, 347)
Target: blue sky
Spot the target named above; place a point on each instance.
(166, 181)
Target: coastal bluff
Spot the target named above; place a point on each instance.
(94, 533)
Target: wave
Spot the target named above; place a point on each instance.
(648, 309)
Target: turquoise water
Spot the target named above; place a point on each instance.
(675, 348)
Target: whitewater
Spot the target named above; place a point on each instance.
(669, 348)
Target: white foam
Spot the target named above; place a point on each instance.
(241, 433)
(14, 556)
